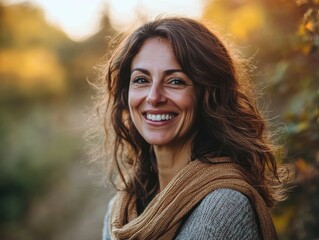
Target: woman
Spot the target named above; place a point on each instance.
(191, 149)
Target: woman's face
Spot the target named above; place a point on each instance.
(162, 99)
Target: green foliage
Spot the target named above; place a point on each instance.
(43, 84)
(33, 150)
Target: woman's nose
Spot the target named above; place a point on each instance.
(156, 95)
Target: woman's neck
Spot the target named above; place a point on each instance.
(170, 161)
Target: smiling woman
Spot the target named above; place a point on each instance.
(161, 98)
(197, 161)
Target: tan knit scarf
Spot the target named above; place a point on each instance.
(163, 217)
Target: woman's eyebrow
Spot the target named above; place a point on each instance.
(171, 71)
(141, 70)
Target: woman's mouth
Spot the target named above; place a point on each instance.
(159, 117)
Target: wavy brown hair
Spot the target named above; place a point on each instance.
(228, 124)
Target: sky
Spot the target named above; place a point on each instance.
(80, 18)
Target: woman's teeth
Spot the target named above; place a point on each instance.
(159, 117)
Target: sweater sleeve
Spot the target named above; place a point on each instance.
(106, 224)
(223, 214)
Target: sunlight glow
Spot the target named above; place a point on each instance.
(125, 13)
(78, 18)
(81, 18)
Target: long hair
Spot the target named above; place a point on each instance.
(228, 120)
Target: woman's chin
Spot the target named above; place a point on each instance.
(158, 141)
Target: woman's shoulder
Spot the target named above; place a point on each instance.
(222, 214)
(225, 203)
(225, 196)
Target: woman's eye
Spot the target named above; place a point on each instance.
(140, 80)
(177, 81)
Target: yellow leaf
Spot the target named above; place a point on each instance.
(282, 221)
(310, 26)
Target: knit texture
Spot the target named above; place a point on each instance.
(224, 214)
(165, 214)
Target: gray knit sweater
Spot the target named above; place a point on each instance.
(223, 214)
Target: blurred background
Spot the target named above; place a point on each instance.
(48, 50)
